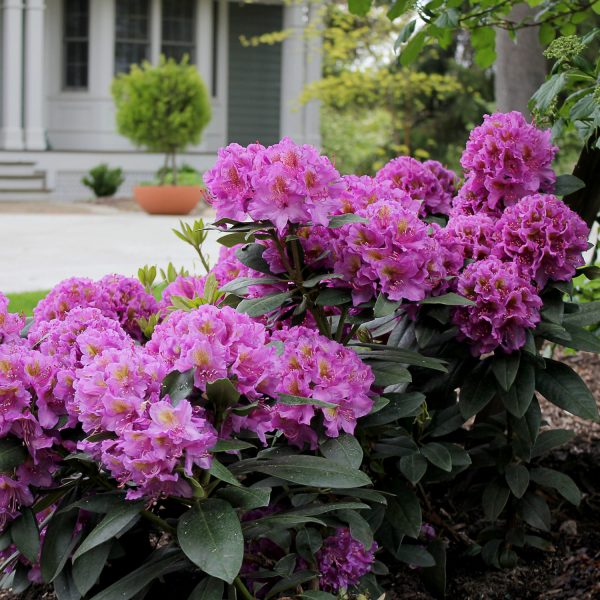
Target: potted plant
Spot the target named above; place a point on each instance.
(164, 109)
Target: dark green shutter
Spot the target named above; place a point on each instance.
(254, 75)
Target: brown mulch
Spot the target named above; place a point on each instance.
(570, 572)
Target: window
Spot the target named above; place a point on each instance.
(75, 44)
(132, 37)
(178, 25)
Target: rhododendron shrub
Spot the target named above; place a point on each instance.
(275, 426)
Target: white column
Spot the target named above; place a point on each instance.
(155, 31)
(314, 72)
(35, 138)
(291, 120)
(204, 40)
(101, 63)
(11, 137)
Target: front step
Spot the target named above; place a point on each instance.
(17, 168)
(23, 195)
(33, 182)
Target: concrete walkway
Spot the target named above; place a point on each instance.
(39, 250)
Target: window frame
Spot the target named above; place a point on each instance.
(68, 39)
(192, 44)
(132, 41)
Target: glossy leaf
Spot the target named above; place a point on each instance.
(344, 450)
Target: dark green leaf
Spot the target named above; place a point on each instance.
(87, 568)
(548, 440)
(251, 255)
(256, 307)
(114, 521)
(517, 477)
(344, 450)
(534, 511)
(567, 184)
(400, 406)
(559, 384)
(64, 586)
(449, 299)
(476, 392)
(240, 285)
(290, 400)
(562, 483)
(434, 577)
(582, 339)
(308, 542)
(340, 220)
(505, 368)
(223, 393)
(293, 581)
(405, 34)
(413, 467)
(359, 527)
(384, 307)
(333, 297)
(127, 587)
(495, 496)
(546, 93)
(415, 555)
(519, 396)
(437, 455)
(209, 588)
(313, 471)
(210, 534)
(25, 535)
(390, 373)
(12, 454)
(247, 498)
(399, 8)
(178, 386)
(588, 314)
(228, 445)
(411, 50)
(359, 7)
(220, 471)
(404, 512)
(314, 595)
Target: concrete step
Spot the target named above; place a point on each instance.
(23, 195)
(37, 181)
(22, 168)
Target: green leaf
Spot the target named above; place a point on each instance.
(405, 34)
(127, 587)
(114, 521)
(517, 477)
(448, 18)
(314, 595)
(588, 314)
(399, 406)
(434, 577)
(437, 455)
(414, 555)
(519, 396)
(256, 307)
(390, 373)
(290, 400)
(251, 255)
(547, 34)
(241, 284)
(399, 8)
(476, 392)
(543, 97)
(559, 384)
(333, 297)
(344, 450)
(223, 393)
(449, 299)
(562, 483)
(178, 386)
(359, 527)
(290, 582)
(505, 368)
(313, 471)
(384, 307)
(534, 511)
(567, 184)
(483, 37)
(547, 440)
(220, 471)
(582, 339)
(495, 496)
(25, 535)
(341, 220)
(209, 588)
(410, 52)
(12, 454)
(247, 498)
(485, 57)
(210, 534)
(404, 511)
(413, 467)
(64, 585)
(228, 445)
(359, 7)
(87, 568)
(402, 355)
(58, 541)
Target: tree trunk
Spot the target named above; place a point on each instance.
(520, 66)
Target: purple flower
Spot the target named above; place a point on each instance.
(11, 324)
(474, 233)
(343, 561)
(543, 237)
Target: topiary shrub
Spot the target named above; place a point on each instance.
(162, 108)
(103, 180)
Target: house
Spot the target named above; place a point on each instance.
(59, 57)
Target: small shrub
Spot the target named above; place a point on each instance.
(103, 180)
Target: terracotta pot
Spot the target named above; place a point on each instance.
(167, 199)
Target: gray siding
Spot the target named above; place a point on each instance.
(254, 75)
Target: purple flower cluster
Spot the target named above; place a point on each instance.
(284, 183)
(429, 183)
(11, 324)
(543, 236)
(505, 306)
(474, 234)
(505, 159)
(121, 298)
(343, 561)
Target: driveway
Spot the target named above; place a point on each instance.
(39, 250)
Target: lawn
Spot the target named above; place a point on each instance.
(25, 301)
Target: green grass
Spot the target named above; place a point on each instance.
(25, 301)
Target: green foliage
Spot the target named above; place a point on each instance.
(25, 302)
(162, 108)
(103, 180)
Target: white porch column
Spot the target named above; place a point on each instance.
(11, 137)
(35, 138)
(155, 31)
(291, 121)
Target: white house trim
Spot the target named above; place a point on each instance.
(35, 137)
